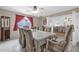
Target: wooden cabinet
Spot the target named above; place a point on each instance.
(4, 28)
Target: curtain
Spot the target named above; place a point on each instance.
(19, 18)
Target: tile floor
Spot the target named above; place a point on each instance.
(13, 46)
(10, 46)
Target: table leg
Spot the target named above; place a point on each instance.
(37, 46)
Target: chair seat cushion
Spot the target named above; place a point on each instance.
(57, 49)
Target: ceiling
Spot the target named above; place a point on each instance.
(42, 10)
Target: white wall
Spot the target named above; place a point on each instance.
(77, 27)
(60, 20)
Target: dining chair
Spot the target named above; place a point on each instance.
(41, 28)
(47, 29)
(21, 38)
(55, 46)
(30, 47)
(34, 27)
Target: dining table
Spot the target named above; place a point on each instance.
(40, 38)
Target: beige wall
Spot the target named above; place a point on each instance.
(37, 21)
(13, 34)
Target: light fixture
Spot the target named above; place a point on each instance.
(36, 13)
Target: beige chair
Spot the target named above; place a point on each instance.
(30, 47)
(61, 46)
(47, 29)
(41, 28)
(21, 38)
(35, 27)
